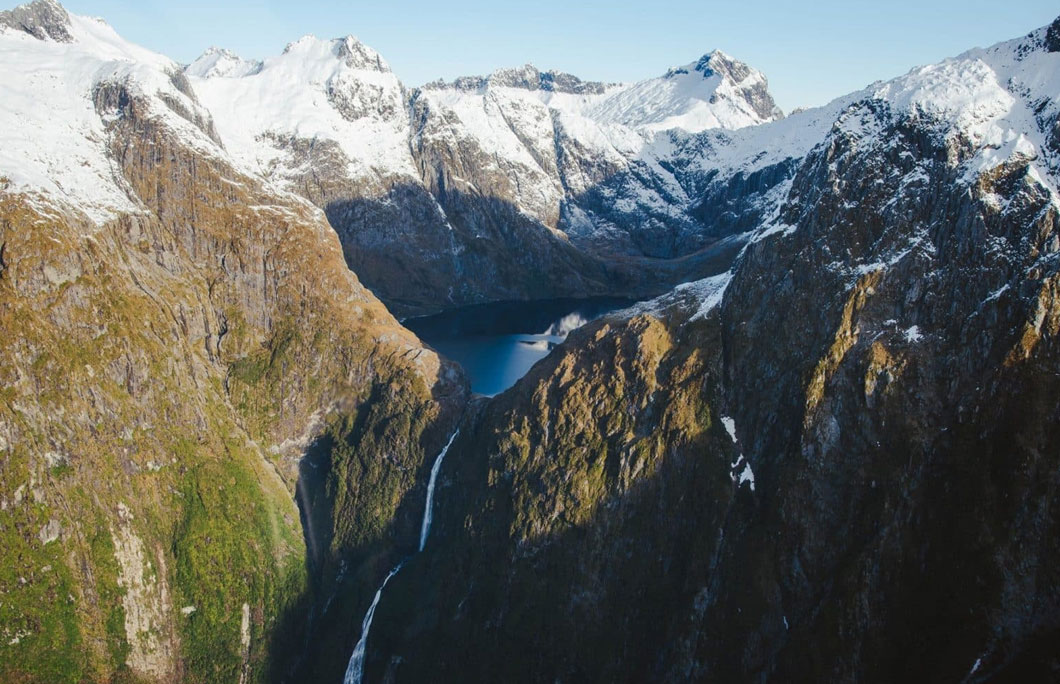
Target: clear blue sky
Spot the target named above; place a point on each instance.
(811, 51)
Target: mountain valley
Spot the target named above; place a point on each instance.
(812, 435)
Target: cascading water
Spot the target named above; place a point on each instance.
(425, 528)
(355, 670)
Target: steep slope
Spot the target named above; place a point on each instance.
(839, 464)
(176, 331)
(523, 184)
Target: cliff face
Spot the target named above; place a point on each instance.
(166, 362)
(840, 469)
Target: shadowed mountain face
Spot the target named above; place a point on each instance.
(841, 470)
(834, 459)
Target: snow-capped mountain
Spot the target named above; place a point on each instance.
(593, 185)
(426, 187)
(337, 92)
(58, 71)
(570, 174)
(716, 91)
(833, 459)
(596, 188)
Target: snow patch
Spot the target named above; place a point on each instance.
(730, 427)
(743, 474)
(708, 291)
(996, 294)
(747, 475)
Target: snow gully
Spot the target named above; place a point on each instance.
(355, 670)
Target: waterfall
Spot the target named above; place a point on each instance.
(355, 670)
(425, 528)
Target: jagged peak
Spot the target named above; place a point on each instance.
(221, 62)
(42, 19)
(715, 63)
(715, 91)
(358, 55)
(351, 51)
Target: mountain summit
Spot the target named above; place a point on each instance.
(42, 19)
(715, 91)
(218, 62)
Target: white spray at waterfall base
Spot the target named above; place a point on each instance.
(355, 670)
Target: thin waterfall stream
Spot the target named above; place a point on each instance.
(355, 670)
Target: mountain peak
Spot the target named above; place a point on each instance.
(715, 91)
(352, 52)
(223, 63)
(42, 19)
(714, 63)
(358, 55)
(717, 62)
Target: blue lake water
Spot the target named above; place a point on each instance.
(498, 343)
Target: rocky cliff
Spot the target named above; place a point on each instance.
(176, 332)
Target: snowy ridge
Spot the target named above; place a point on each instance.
(527, 77)
(699, 297)
(525, 124)
(221, 63)
(752, 148)
(341, 91)
(337, 90)
(988, 107)
(714, 92)
(999, 103)
(52, 139)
